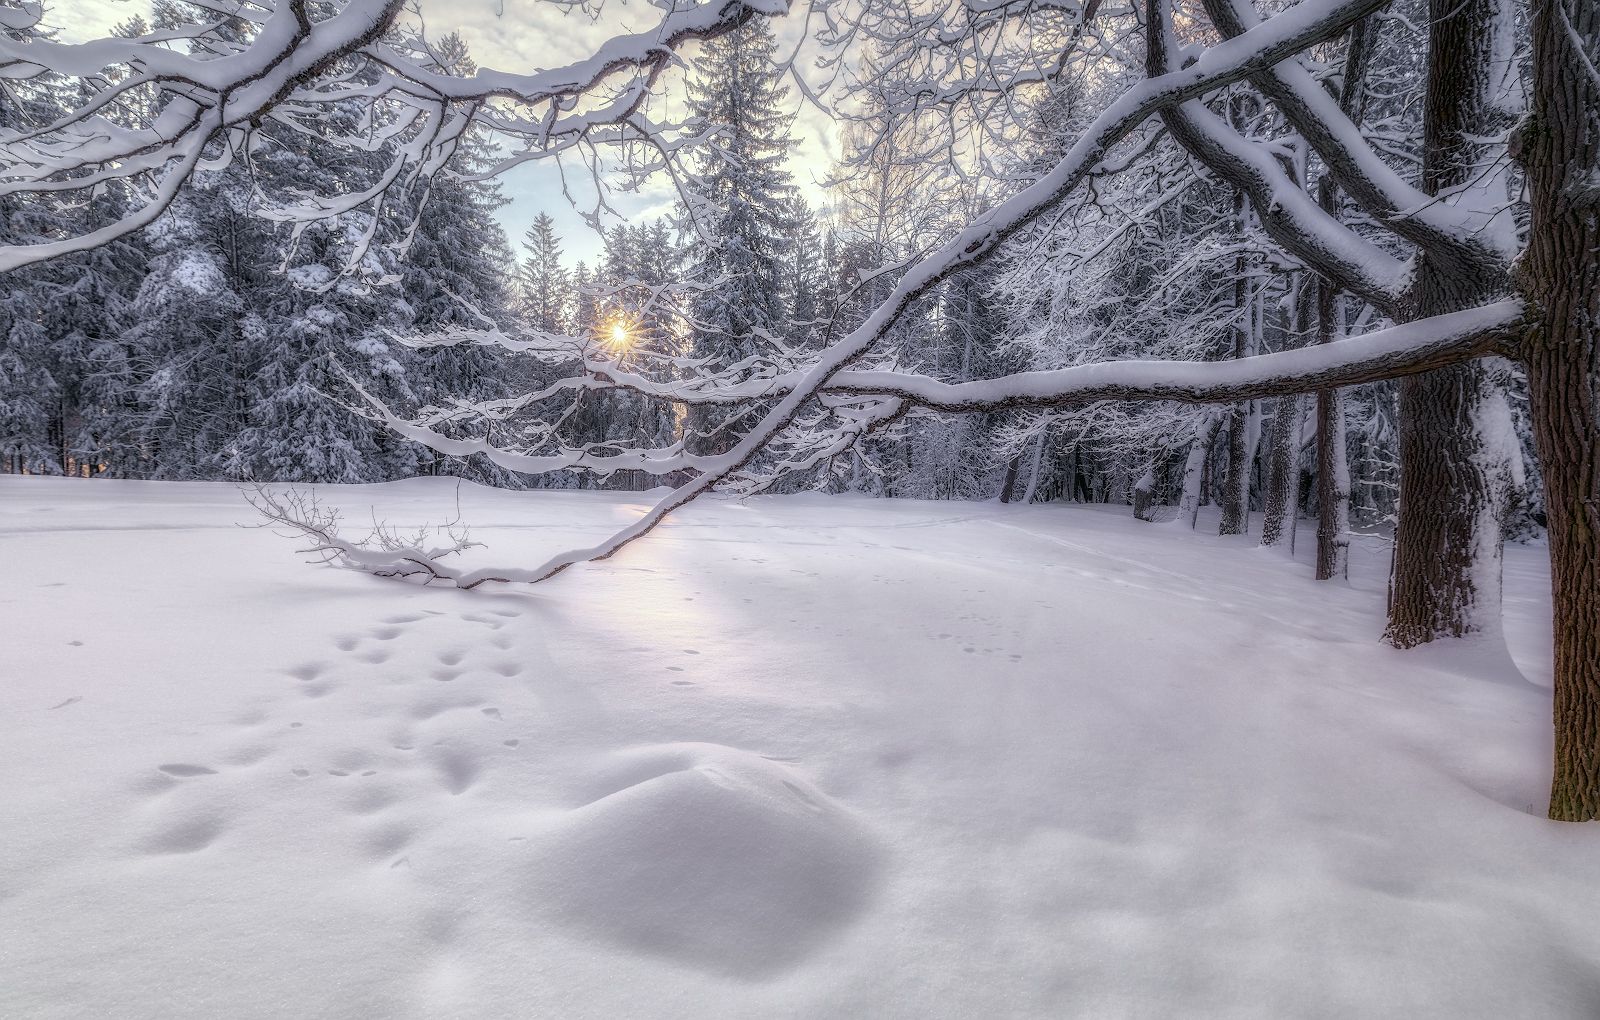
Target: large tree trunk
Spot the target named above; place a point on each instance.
(1235, 493)
(1446, 574)
(1560, 147)
(1283, 465)
(1333, 487)
(1333, 465)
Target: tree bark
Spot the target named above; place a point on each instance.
(1445, 580)
(1283, 464)
(1033, 467)
(1559, 145)
(1236, 482)
(1144, 491)
(1281, 502)
(1236, 479)
(1009, 484)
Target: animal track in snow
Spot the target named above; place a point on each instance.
(385, 840)
(493, 713)
(246, 756)
(445, 675)
(186, 836)
(805, 798)
(405, 618)
(457, 771)
(375, 656)
(501, 641)
(384, 633)
(371, 799)
(509, 669)
(346, 642)
(432, 707)
(451, 656)
(184, 770)
(307, 671)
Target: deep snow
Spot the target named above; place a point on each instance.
(801, 757)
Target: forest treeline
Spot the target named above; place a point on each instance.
(214, 344)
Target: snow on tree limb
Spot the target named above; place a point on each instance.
(296, 70)
(1230, 61)
(1383, 193)
(285, 65)
(1384, 354)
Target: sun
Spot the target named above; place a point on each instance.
(620, 337)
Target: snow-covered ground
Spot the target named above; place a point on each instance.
(800, 757)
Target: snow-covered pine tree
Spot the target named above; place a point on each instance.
(188, 346)
(545, 284)
(29, 390)
(805, 281)
(95, 420)
(454, 273)
(741, 209)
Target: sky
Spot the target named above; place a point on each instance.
(525, 35)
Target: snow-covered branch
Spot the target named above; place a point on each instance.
(155, 113)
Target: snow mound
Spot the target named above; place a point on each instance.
(709, 855)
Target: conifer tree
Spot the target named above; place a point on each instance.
(741, 200)
(545, 283)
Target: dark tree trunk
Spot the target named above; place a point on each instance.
(1333, 496)
(1446, 547)
(1333, 466)
(1560, 147)
(1235, 511)
(1333, 469)
(1236, 482)
(1144, 492)
(1282, 466)
(1445, 580)
(1008, 486)
(1281, 503)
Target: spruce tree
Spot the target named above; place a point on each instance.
(454, 274)
(545, 284)
(741, 199)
